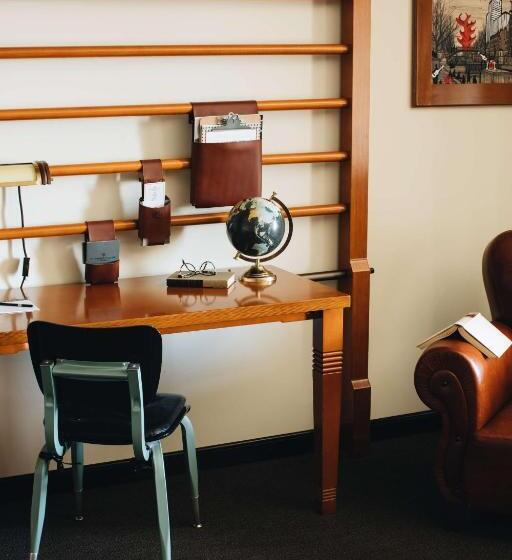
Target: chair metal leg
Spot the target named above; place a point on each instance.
(38, 503)
(77, 460)
(157, 458)
(189, 447)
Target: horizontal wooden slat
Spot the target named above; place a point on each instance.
(40, 113)
(170, 50)
(176, 221)
(184, 163)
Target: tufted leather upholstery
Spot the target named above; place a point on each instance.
(99, 411)
(473, 394)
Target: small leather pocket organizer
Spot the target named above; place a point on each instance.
(101, 253)
(154, 222)
(224, 173)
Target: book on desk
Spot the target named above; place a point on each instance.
(222, 279)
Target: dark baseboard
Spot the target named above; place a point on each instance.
(217, 456)
(405, 425)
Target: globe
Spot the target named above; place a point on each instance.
(256, 226)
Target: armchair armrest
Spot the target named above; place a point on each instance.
(467, 389)
(486, 382)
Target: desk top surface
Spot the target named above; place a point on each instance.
(148, 301)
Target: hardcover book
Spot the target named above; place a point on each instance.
(222, 279)
(478, 331)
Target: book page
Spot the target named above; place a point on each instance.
(487, 334)
(443, 333)
(463, 321)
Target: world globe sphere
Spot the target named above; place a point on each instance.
(255, 227)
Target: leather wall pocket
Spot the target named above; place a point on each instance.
(154, 205)
(154, 223)
(101, 253)
(224, 173)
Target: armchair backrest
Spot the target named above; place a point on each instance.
(497, 273)
(139, 344)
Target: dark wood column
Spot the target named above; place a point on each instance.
(355, 85)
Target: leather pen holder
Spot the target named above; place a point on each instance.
(101, 253)
(154, 223)
(224, 173)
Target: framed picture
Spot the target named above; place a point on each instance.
(463, 52)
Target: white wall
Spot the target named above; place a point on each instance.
(439, 190)
(242, 383)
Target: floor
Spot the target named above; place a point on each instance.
(389, 509)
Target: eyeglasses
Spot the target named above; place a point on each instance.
(187, 270)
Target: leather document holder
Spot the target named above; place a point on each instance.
(154, 223)
(224, 173)
(101, 253)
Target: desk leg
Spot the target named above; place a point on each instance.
(327, 374)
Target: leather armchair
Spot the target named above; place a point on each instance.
(473, 395)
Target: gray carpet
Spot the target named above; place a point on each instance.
(389, 509)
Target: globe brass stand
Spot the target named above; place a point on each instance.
(258, 275)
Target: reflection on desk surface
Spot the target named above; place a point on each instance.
(147, 300)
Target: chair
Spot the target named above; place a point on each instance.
(473, 394)
(100, 387)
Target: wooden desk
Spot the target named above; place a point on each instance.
(147, 301)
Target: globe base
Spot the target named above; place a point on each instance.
(258, 275)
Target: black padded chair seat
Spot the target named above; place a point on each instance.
(162, 416)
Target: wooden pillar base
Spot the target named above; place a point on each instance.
(361, 391)
(356, 385)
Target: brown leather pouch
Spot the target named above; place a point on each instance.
(224, 173)
(154, 223)
(101, 247)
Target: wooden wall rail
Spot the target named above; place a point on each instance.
(184, 163)
(170, 50)
(157, 109)
(176, 221)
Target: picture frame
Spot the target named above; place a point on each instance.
(465, 74)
